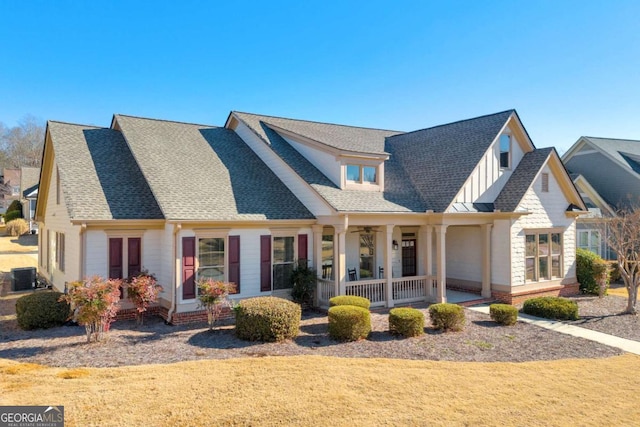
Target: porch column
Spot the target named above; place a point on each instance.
(340, 258)
(388, 263)
(441, 261)
(426, 236)
(317, 255)
(486, 260)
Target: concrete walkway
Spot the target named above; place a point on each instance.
(576, 331)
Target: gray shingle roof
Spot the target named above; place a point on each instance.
(346, 138)
(521, 179)
(29, 177)
(341, 200)
(199, 172)
(437, 161)
(99, 177)
(624, 151)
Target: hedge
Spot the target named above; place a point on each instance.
(41, 310)
(267, 319)
(503, 314)
(447, 317)
(551, 308)
(349, 322)
(408, 322)
(350, 300)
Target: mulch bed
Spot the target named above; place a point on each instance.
(127, 344)
(604, 315)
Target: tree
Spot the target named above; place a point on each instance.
(623, 236)
(22, 145)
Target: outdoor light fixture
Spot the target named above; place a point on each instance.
(394, 245)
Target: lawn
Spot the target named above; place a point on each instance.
(314, 390)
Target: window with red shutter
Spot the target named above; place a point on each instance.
(188, 267)
(115, 258)
(234, 261)
(265, 263)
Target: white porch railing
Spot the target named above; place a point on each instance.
(410, 289)
(326, 291)
(373, 290)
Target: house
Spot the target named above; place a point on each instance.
(29, 178)
(606, 172)
(11, 187)
(396, 217)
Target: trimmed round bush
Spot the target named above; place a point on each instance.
(349, 322)
(267, 319)
(408, 322)
(350, 300)
(41, 310)
(552, 308)
(504, 314)
(447, 317)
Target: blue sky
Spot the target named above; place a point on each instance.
(569, 68)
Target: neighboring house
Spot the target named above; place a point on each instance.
(29, 179)
(607, 173)
(395, 217)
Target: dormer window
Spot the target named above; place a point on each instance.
(362, 174)
(505, 151)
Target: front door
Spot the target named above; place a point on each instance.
(409, 258)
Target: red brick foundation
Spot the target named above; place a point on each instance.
(520, 297)
(199, 316)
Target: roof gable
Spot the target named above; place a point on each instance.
(199, 172)
(624, 152)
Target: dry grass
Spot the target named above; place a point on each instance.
(26, 243)
(620, 291)
(332, 391)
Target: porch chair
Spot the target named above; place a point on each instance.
(380, 272)
(353, 276)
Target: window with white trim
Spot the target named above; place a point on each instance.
(543, 256)
(505, 151)
(282, 261)
(362, 174)
(211, 258)
(367, 255)
(589, 240)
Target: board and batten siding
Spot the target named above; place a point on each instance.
(325, 162)
(501, 252)
(316, 205)
(487, 179)
(56, 219)
(548, 210)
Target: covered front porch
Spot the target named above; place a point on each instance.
(354, 260)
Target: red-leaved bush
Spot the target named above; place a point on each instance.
(214, 296)
(95, 304)
(142, 291)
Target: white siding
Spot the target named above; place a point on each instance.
(325, 162)
(488, 179)
(56, 219)
(548, 210)
(298, 187)
(464, 253)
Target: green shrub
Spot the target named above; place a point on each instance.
(17, 227)
(303, 283)
(349, 322)
(407, 322)
(13, 215)
(503, 314)
(15, 206)
(41, 310)
(587, 269)
(350, 300)
(551, 308)
(447, 317)
(267, 319)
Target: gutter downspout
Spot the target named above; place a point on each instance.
(174, 292)
(83, 245)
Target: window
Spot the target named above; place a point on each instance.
(505, 151)
(211, 258)
(589, 240)
(60, 251)
(545, 182)
(353, 173)
(367, 255)
(362, 174)
(543, 256)
(283, 257)
(15, 190)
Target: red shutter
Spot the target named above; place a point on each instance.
(234, 261)
(115, 258)
(188, 267)
(265, 263)
(135, 264)
(302, 250)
